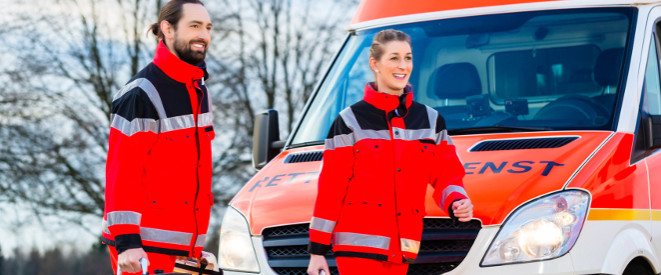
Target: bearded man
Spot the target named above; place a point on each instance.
(158, 172)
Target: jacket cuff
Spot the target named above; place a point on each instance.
(450, 211)
(318, 249)
(127, 241)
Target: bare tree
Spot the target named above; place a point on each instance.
(69, 59)
(63, 62)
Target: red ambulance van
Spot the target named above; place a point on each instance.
(555, 110)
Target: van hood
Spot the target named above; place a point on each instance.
(503, 171)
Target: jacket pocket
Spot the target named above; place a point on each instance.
(369, 155)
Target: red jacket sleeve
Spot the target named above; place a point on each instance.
(336, 172)
(133, 127)
(447, 179)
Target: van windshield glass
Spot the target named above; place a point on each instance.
(555, 70)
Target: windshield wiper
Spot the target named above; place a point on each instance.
(305, 144)
(494, 129)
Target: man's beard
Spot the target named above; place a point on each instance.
(185, 52)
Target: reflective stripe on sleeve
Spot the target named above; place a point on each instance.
(409, 245)
(448, 190)
(339, 141)
(322, 225)
(124, 217)
(134, 126)
(364, 240)
(165, 236)
(443, 136)
(201, 239)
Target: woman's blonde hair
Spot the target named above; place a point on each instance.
(383, 37)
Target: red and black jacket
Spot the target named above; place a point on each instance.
(379, 157)
(158, 172)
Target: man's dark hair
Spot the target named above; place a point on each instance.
(170, 12)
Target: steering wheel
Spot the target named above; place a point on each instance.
(577, 108)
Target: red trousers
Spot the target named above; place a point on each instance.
(360, 266)
(156, 262)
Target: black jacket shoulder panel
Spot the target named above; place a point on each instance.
(174, 95)
(417, 117)
(369, 117)
(339, 127)
(133, 104)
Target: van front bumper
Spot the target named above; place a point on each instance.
(470, 265)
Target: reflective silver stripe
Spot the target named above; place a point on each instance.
(339, 141)
(165, 236)
(355, 239)
(149, 89)
(104, 227)
(409, 245)
(372, 134)
(136, 125)
(322, 225)
(204, 120)
(443, 136)
(350, 119)
(209, 100)
(414, 134)
(432, 115)
(123, 217)
(177, 123)
(201, 239)
(448, 190)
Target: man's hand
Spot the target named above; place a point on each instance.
(463, 210)
(317, 263)
(129, 260)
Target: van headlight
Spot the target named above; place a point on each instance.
(236, 251)
(543, 229)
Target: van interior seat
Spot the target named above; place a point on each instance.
(607, 70)
(456, 81)
(608, 66)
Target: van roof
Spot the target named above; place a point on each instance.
(371, 10)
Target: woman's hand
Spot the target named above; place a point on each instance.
(318, 263)
(463, 210)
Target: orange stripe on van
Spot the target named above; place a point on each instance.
(621, 215)
(377, 9)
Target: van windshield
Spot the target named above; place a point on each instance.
(540, 70)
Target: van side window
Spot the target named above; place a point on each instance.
(652, 92)
(650, 101)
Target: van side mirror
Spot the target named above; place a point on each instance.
(266, 143)
(653, 130)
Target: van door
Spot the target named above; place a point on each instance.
(650, 104)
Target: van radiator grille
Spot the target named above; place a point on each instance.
(304, 157)
(527, 143)
(444, 245)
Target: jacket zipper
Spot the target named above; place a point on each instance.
(394, 174)
(197, 165)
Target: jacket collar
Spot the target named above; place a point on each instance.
(176, 68)
(386, 102)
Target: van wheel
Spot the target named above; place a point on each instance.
(638, 266)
